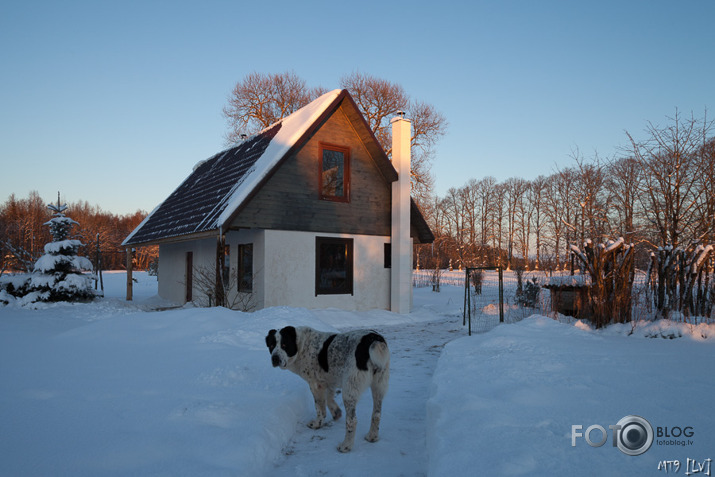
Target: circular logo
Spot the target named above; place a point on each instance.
(635, 435)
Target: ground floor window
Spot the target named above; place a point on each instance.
(333, 266)
(245, 267)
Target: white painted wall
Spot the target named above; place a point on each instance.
(284, 269)
(255, 237)
(172, 266)
(290, 272)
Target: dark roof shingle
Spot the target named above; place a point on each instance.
(197, 203)
(218, 187)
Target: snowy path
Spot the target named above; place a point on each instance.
(415, 349)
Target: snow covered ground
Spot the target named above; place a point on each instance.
(111, 388)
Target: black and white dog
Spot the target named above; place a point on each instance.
(349, 361)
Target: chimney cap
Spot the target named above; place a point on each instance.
(400, 115)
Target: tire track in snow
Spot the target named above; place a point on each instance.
(401, 450)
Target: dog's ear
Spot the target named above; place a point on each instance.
(289, 340)
(271, 340)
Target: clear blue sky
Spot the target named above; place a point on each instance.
(114, 102)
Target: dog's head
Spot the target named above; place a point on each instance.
(283, 346)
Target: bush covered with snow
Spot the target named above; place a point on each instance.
(12, 286)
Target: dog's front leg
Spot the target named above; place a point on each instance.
(318, 391)
(333, 406)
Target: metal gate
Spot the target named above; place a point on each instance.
(476, 300)
(493, 296)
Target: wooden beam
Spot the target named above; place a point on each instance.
(220, 260)
(130, 281)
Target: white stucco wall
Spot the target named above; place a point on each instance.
(255, 237)
(172, 267)
(283, 268)
(290, 272)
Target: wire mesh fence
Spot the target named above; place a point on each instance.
(523, 295)
(494, 296)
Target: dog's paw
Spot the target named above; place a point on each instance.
(315, 424)
(370, 437)
(345, 447)
(337, 413)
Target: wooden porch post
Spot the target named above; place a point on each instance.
(220, 260)
(130, 282)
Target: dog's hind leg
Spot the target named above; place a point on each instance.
(350, 423)
(318, 391)
(352, 389)
(379, 388)
(333, 406)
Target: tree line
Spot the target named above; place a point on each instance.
(23, 235)
(659, 193)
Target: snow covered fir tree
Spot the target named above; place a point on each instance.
(58, 274)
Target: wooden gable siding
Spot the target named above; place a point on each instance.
(290, 199)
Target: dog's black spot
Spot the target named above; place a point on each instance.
(323, 355)
(289, 341)
(271, 341)
(362, 352)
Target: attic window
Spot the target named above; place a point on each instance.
(334, 173)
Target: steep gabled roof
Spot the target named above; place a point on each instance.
(197, 204)
(216, 187)
(219, 187)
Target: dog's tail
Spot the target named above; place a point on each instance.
(380, 354)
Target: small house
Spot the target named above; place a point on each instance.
(309, 212)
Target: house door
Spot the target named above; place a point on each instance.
(189, 275)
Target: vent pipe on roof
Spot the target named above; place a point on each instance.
(401, 279)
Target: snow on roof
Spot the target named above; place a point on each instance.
(292, 129)
(557, 281)
(217, 187)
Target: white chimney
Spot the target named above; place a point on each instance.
(401, 279)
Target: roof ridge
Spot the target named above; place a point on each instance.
(210, 195)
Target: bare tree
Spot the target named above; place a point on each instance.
(498, 221)
(670, 160)
(485, 194)
(623, 183)
(590, 190)
(515, 188)
(453, 209)
(22, 232)
(706, 206)
(204, 281)
(379, 100)
(523, 217)
(469, 199)
(536, 196)
(260, 100)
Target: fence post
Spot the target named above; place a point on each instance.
(501, 296)
(466, 298)
(129, 274)
(469, 300)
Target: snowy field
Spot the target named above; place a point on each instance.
(113, 388)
